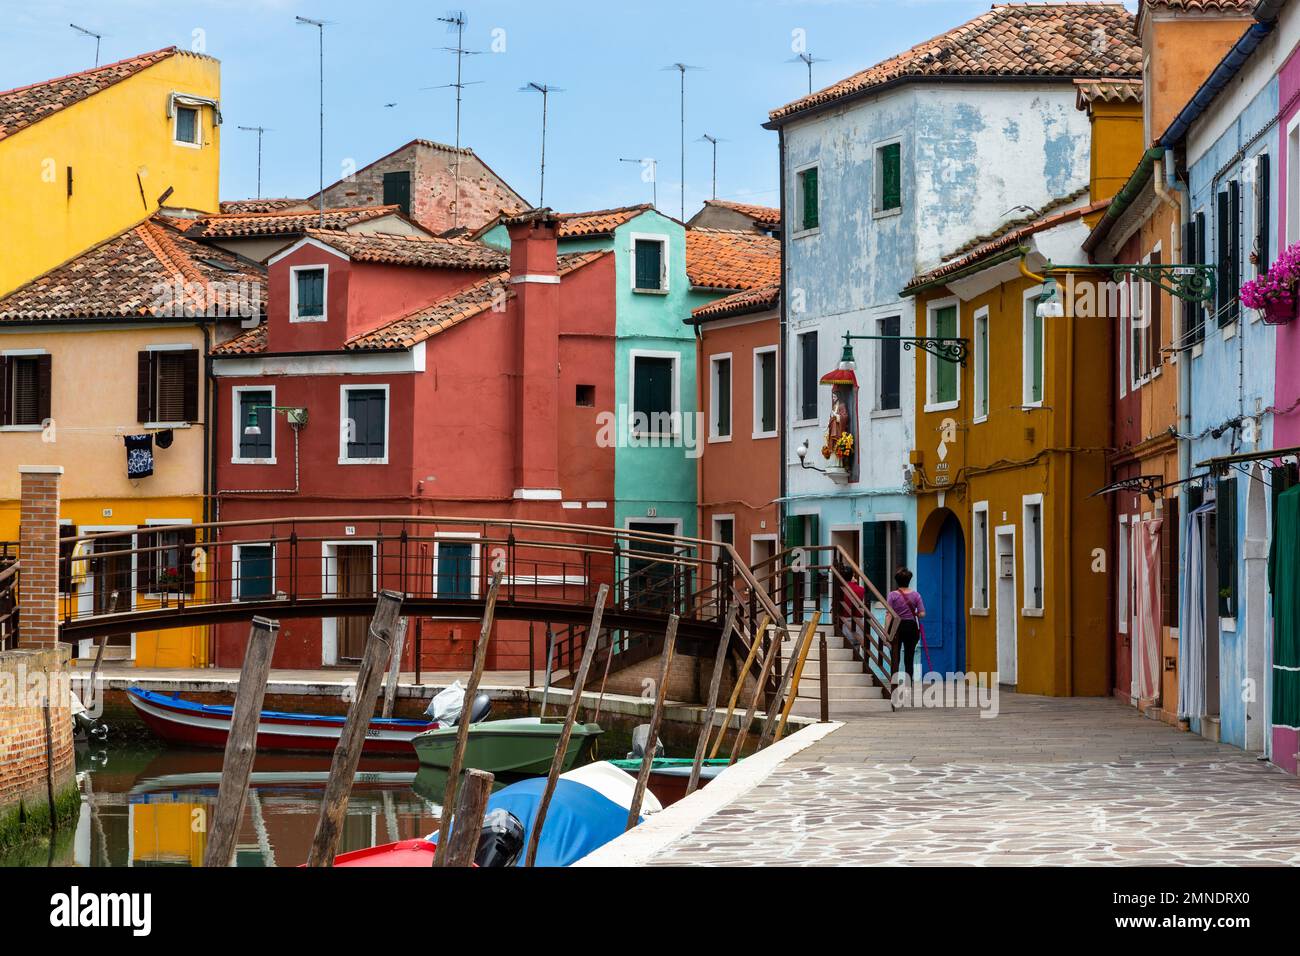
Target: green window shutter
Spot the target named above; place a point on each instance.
(653, 387)
(397, 190)
(1036, 369)
(945, 373)
(875, 554)
(891, 174)
(1226, 544)
(767, 363)
(809, 180)
(722, 423)
(311, 292)
(649, 264)
(1262, 213)
(793, 531)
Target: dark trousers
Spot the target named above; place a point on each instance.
(903, 650)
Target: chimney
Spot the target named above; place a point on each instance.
(535, 280)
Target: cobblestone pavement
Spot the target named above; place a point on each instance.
(1047, 782)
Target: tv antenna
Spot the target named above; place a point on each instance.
(546, 90)
(259, 130)
(320, 30)
(456, 22)
(90, 33)
(714, 141)
(681, 69)
(808, 59)
(648, 162)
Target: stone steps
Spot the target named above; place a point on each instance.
(805, 707)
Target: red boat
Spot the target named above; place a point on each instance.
(192, 724)
(405, 853)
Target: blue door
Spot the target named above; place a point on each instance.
(941, 579)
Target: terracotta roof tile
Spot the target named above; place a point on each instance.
(1225, 6)
(21, 107)
(260, 205)
(1033, 39)
(424, 251)
(763, 214)
(757, 299)
(731, 258)
(1008, 240)
(243, 225)
(133, 274)
(419, 325)
(599, 222)
(1087, 92)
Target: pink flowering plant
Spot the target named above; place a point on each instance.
(1275, 289)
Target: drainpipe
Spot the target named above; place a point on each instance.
(783, 431)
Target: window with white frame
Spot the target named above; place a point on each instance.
(308, 293)
(1033, 351)
(807, 203)
(889, 178)
(1033, 552)
(980, 557)
(765, 392)
(724, 531)
(254, 572)
(981, 364)
(890, 366)
(943, 378)
(168, 568)
(655, 408)
(649, 263)
(364, 419)
(1122, 576)
(254, 426)
(455, 565)
(189, 130)
(720, 397)
(1139, 341)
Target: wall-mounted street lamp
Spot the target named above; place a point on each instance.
(802, 452)
(1191, 282)
(296, 415)
(944, 349)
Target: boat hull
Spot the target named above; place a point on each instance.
(669, 776)
(521, 746)
(190, 724)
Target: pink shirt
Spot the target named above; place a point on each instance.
(906, 605)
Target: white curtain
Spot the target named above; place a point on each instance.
(1191, 635)
(1149, 619)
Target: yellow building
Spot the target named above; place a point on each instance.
(1012, 445)
(84, 156)
(107, 353)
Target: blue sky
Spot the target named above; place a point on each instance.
(608, 56)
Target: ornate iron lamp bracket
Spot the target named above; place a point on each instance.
(1191, 282)
(948, 350)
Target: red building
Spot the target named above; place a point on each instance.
(410, 376)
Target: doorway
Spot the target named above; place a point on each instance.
(941, 581)
(1005, 597)
(650, 581)
(1210, 583)
(349, 573)
(109, 586)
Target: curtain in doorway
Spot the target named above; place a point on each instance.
(1191, 631)
(1146, 636)
(1284, 580)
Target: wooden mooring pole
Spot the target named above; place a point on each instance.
(471, 803)
(241, 744)
(347, 755)
(462, 727)
(562, 746)
(711, 707)
(773, 651)
(823, 673)
(756, 640)
(394, 668)
(648, 758)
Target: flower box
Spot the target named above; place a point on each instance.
(1279, 312)
(1274, 293)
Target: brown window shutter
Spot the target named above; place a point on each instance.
(6, 410)
(191, 371)
(43, 368)
(1173, 528)
(144, 387)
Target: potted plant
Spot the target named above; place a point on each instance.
(171, 581)
(1274, 293)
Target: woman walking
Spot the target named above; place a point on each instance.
(909, 607)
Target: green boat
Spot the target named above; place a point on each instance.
(517, 745)
(670, 775)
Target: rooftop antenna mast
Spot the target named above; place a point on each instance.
(649, 162)
(259, 130)
(90, 33)
(320, 29)
(546, 90)
(681, 69)
(456, 21)
(713, 141)
(809, 60)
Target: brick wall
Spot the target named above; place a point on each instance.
(24, 783)
(38, 536)
(433, 187)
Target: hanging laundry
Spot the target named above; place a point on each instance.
(139, 456)
(77, 562)
(163, 439)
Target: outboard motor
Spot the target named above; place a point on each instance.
(478, 711)
(500, 841)
(640, 735)
(87, 726)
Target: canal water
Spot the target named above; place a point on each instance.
(144, 804)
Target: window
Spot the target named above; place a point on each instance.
(887, 398)
(808, 376)
(254, 572)
(187, 125)
(1032, 351)
(720, 396)
(397, 190)
(1263, 213)
(1125, 585)
(585, 396)
(1225, 514)
(942, 376)
(979, 587)
(981, 364)
(24, 390)
(253, 409)
(654, 394)
(884, 551)
(307, 292)
(365, 425)
(806, 199)
(169, 570)
(889, 175)
(649, 255)
(1033, 553)
(765, 392)
(1292, 186)
(455, 568)
(1194, 312)
(1155, 312)
(167, 386)
(724, 530)
(1169, 562)
(1228, 250)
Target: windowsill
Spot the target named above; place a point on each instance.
(979, 419)
(1229, 331)
(719, 439)
(252, 461)
(805, 233)
(942, 406)
(1255, 315)
(980, 611)
(1026, 406)
(887, 413)
(1198, 350)
(21, 428)
(649, 291)
(1228, 624)
(887, 213)
(759, 435)
(805, 423)
(181, 142)
(171, 425)
(363, 461)
(299, 319)
(642, 436)
(1032, 611)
